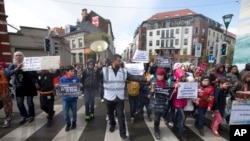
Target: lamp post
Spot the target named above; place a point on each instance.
(227, 19)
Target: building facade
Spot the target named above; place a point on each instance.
(176, 34)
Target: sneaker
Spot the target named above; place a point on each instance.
(111, 129)
(73, 126)
(92, 116)
(6, 123)
(183, 138)
(202, 132)
(31, 119)
(102, 100)
(157, 135)
(49, 122)
(24, 120)
(107, 117)
(149, 119)
(87, 118)
(67, 127)
(125, 138)
(171, 124)
(132, 120)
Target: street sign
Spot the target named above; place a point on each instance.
(198, 49)
(210, 59)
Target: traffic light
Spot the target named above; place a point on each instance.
(47, 44)
(55, 48)
(224, 47)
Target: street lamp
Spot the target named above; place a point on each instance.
(227, 19)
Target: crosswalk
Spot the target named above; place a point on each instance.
(97, 129)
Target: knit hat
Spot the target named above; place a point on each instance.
(160, 71)
(204, 77)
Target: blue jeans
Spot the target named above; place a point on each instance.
(180, 117)
(89, 98)
(201, 115)
(22, 108)
(133, 102)
(70, 105)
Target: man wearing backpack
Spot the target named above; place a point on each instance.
(133, 96)
(89, 88)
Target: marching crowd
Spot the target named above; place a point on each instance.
(156, 91)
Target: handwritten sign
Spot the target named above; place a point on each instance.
(187, 90)
(240, 113)
(69, 89)
(41, 63)
(167, 91)
(135, 68)
(141, 56)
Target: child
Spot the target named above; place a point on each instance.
(203, 102)
(158, 98)
(219, 104)
(69, 102)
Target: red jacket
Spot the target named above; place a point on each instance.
(178, 103)
(206, 96)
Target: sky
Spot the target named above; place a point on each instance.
(125, 15)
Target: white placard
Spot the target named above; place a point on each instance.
(135, 68)
(141, 56)
(240, 113)
(198, 49)
(187, 90)
(41, 63)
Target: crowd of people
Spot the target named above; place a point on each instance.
(156, 90)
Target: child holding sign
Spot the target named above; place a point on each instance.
(70, 102)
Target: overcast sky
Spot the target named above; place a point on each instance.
(125, 15)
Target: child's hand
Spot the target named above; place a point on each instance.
(208, 108)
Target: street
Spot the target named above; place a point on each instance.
(97, 129)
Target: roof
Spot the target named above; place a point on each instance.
(172, 14)
(85, 27)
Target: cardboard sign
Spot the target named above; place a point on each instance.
(240, 113)
(135, 68)
(162, 62)
(41, 63)
(187, 90)
(141, 56)
(69, 89)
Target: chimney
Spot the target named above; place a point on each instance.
(84, 15)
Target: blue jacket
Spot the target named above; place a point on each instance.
(64, 79)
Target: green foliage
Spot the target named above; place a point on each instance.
(230, 54)
(184, 56)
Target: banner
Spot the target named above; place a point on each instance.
(41, 63)
(135, 68)
(240, 113)
(167, 91)
(69, 89)
(95, 21)
(141, 56)
(162, 62)
(187, 90)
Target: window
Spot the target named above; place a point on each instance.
(73, 44)
(185, 41)
(167, 44)
(195, 30)
(176, 42)
(186, 30)
(176, 51)
(80, 44)
(167, 33)
(157, 42)
(158, 32)
(150, 43)
(172, 33)
(172, 43)
(74, 58)
(162, 43)
(162, 33)
(177, 31)
(150, 33)
(80, 58)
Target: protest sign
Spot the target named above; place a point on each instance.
(135, 68)
(162, 62)
(240, 113)
(141, 56)
(187, 90)
(167, 91)
(41, 63)
(69, 89)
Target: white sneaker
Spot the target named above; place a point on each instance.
(102, 100)
(107, 117)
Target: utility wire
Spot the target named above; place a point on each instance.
(130, 7)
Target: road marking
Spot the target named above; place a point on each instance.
(24, 131)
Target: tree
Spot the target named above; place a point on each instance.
(151, 56)
(204, 56)
(230, 54)
(184, 56)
